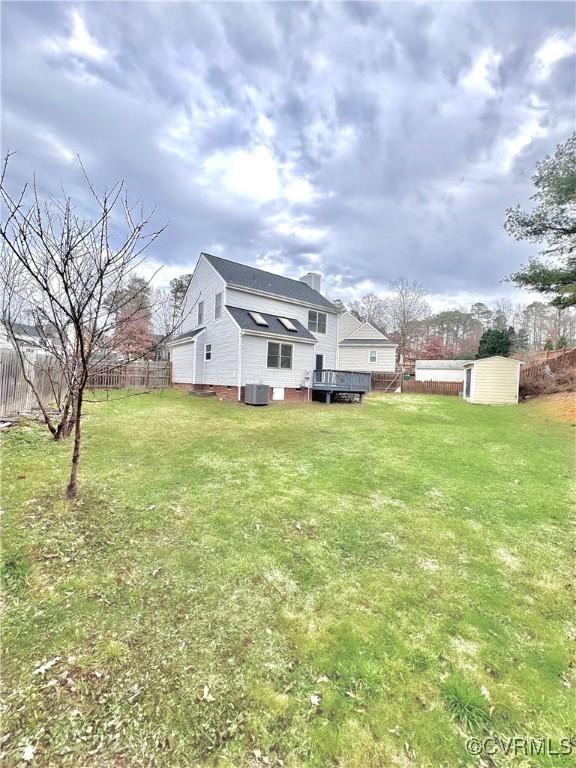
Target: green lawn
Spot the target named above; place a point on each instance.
(344, 585)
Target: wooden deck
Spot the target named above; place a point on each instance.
(335, 382)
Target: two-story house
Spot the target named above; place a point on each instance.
(241, 325)
(362, 347)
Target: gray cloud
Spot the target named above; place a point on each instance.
(367, 140)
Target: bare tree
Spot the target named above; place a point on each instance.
(178, 288)
(370, 309)
(164, 317)
(68, 272)
(406, 307)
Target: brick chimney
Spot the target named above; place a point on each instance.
(313, 279)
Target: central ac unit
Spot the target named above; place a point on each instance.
(256, 394)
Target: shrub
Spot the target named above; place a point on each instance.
(563, 380)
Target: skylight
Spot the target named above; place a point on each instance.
(258, 319)
(288, 324)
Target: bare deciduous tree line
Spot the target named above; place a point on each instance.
(405, 315)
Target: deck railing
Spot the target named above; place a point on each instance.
(340, 381)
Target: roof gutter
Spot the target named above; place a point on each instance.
(282, 336)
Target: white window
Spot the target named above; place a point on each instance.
(279, 355)
(200, 312)
(208, 352)
(217, 306)
(316, 321)
(372, 356)
(288, 324)
(258, 319)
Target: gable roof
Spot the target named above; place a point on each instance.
(349, 316)
(243, 276)
(367, 331)
(30, 334)
(188, 336)
(275, 327)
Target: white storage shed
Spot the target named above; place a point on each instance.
(439, 370)
(492, 380)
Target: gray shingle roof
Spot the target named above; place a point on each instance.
(439, 364)
(242, 317)
(268, 282)
(187, 335)
(368, 343)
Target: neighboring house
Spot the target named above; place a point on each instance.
(440, 370)
(28, 337)
(160, 350)
(361, 347)
(241, 325)
(492, 380)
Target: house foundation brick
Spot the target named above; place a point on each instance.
(231, 393)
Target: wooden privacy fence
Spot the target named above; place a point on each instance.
(557, 363)
(147, 374)
(434, 387)
(386, 382)
(16, 395)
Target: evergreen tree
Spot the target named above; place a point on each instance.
(522, 341)
(553, 223)
(494, 342)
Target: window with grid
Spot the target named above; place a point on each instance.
(316, 321)
(279, 355)
(218, 306)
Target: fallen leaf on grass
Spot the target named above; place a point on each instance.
(43, 668)
(206, 695)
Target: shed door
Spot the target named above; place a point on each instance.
(468, 382)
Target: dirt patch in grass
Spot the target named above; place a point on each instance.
(560, 406)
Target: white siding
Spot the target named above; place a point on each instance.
(182, 357)
(495, 381)
(326, 342)
(254, 363)
(222, 334)
(347, 324)
(367, 331)
(204, 286)
(440, 374)
(358, 358)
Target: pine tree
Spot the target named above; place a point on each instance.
(494, 342)
(522, 341)
(553, 223)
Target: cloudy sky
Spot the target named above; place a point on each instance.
(362, 140)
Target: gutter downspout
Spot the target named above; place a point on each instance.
(240, 334)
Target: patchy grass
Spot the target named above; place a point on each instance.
(294, 585)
